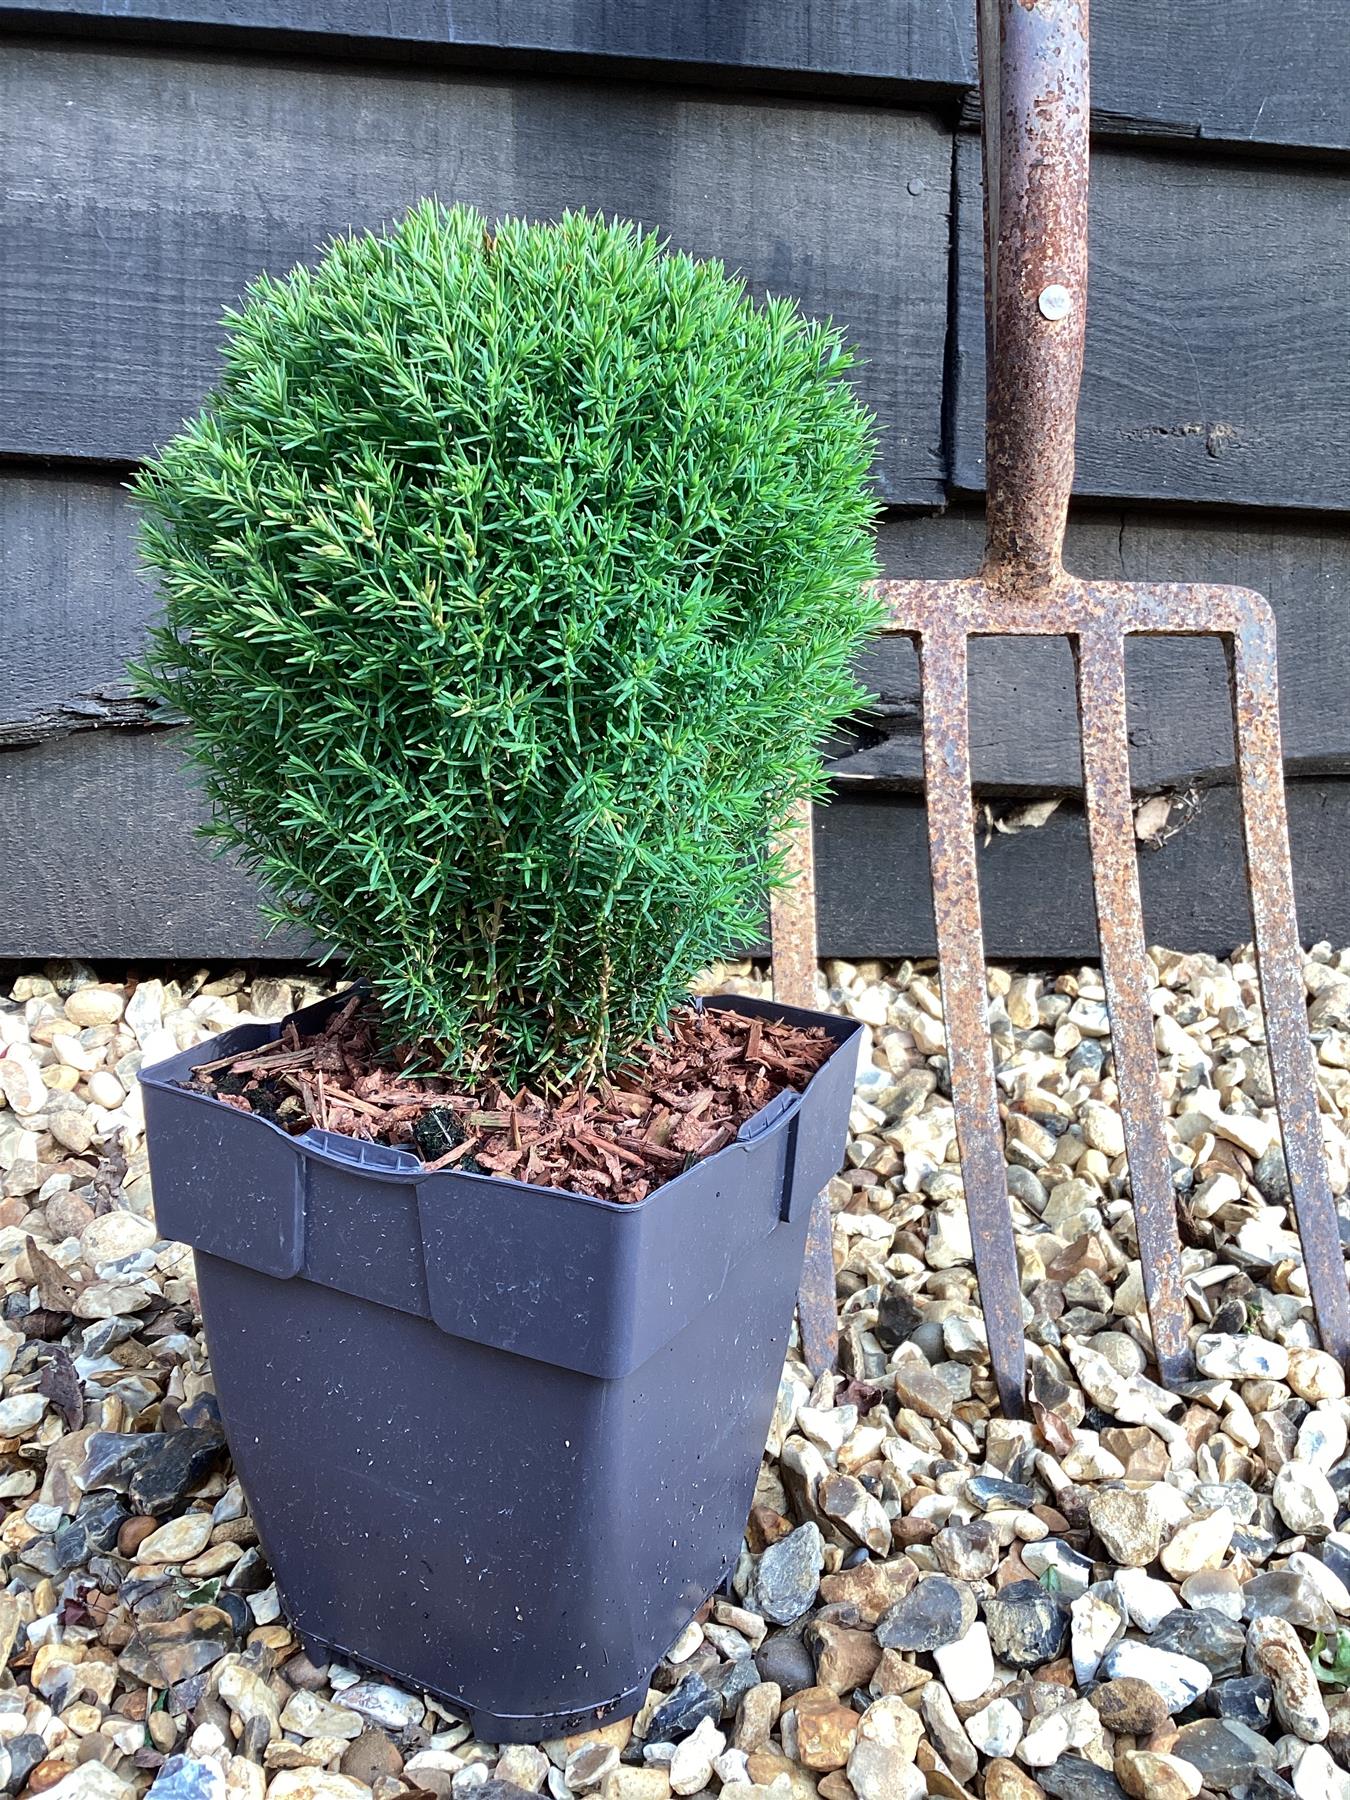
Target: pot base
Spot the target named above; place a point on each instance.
(491, 1727)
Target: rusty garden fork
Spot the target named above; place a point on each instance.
(1034, 83)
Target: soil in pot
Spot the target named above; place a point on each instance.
(681, 1098)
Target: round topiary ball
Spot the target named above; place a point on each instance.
(512, 576)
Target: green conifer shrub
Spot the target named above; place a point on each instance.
(511, 579)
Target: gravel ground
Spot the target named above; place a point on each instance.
(1124, 1597)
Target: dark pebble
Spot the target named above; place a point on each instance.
(1246, 1698)
(685, 1708)
(25, 1752)
(1222, 1756)
(1264, 1784)
(1071, 1778)
(98, 1519)
(788, 1575)
(1285, 1594)
(1027, 1624)
(1208, 1635)
(784, 1658)
(935, 1613)
(898, 1318)
(991, 1494)
(733, 1681)
(181, 1461)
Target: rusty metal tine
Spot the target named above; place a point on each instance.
(956, 911)
(792, 924)
(1099, 660)
(1265, 829)
(792, 915)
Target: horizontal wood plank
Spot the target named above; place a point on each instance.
(1218, 341)
(1227, 71)
(874, 898)
(157, 185)
(76, 607)
(101, 862)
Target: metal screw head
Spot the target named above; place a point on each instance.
(1055, 301)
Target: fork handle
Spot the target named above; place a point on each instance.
(1034, 93)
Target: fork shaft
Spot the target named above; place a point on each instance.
(1100, 668)
(1034, 87)
(956, 909)
(1256, 713)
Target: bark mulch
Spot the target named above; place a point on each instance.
(682, 1097)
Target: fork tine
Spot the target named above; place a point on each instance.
(1104, 731)
(792, 927)
(956, 909)
(1265, 832)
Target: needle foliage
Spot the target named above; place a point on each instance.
(511, 578)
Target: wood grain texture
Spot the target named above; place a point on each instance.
(1218, 340)
(76, 607)
(101, 862)
(156, 186)
(1227, 71)
(874, 898)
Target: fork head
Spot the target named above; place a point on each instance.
(1098, 618)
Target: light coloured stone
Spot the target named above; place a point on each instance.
(316, 1784)
(95, 1006)
(177, 1541)
(115, 1235)
(310, 1716)
(996, 1730)
(1201, 1545)
(1305, 1499)
(20, 1414)
(691, 1765)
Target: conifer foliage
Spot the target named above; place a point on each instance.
(511, 577)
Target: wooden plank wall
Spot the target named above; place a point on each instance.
(163, 156)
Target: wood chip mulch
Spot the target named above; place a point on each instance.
(683, 1097)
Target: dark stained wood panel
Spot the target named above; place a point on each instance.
(76, 606)
(101, 862)
(1218, 345)
(156, 185)
(1224, 71)
(874, 899)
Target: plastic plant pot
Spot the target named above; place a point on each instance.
(499, 1441)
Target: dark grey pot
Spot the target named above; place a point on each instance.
(499, 1441)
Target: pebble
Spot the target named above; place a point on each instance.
(1200, 1545)
(967, 1666)
(1240, 1358)
(1027, 1625)
(1129, 1524)
(788, 1575)
(178, 1541)
(937, 1612)
(1128, 1704)
(1305, 1499)
(1147, 1600)
(1180, 1680)
(996, 1730)
(1315, 1375)
(1096, 1621)
(692, 1764)
(1274, 1650)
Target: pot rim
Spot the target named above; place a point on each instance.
(389, 1163)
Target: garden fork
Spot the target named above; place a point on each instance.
(1034, 84)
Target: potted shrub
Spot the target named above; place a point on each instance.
(511, 577)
